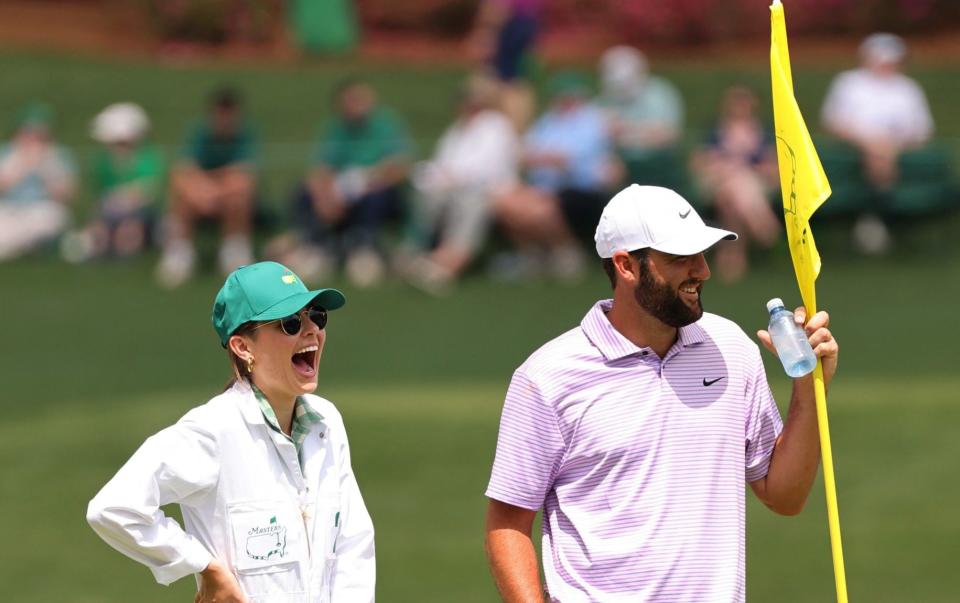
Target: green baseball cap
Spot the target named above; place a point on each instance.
(265, 291)
(34, 115)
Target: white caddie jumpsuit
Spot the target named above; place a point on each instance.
(289, 535)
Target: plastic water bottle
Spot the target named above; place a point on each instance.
(791, 342)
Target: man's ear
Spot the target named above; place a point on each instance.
(623, 264)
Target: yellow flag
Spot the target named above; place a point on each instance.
(802, 181)
(805, 188)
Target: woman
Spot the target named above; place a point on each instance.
(736, 170)
(475, 163)
(262, 473)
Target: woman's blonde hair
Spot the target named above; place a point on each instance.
(241, 370)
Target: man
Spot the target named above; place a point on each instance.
(883, 114)
(634, 431)
(354, 187)
(475, 163)
(645, 111)
(736, 168)
(878, 109)
(215, 179)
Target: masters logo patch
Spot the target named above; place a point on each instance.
(267, 542)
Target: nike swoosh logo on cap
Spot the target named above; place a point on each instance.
(683, 216)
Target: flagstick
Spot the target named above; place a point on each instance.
(833, 514)
(805, 259)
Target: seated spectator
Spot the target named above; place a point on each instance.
(645, 113)
(570, 167)
(737, 169)
(37, 181)
(474, 163)
(883, 114)
(354, 188)
(127, 176)
(215, 179)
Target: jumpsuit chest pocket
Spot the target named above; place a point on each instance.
(268, 536)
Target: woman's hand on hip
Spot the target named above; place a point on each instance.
(218, 585)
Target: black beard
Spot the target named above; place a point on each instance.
(663, 303)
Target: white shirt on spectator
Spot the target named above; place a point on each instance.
(479, 152)
(872, 106)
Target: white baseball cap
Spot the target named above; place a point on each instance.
(639, 217)
(120, 122)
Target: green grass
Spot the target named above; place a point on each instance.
(422, 454)
(95, 359)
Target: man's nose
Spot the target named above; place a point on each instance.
(700, 269)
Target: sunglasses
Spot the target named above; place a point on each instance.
(292, 324)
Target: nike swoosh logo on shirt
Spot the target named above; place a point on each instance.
(683, 216)
(711, 382)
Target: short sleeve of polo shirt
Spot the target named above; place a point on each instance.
(196, 140)
(246, 146)
(763, 422)
(530, 447)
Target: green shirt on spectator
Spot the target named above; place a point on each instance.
(144, 168)
(211, 152)
(658, 103)
(347, 144)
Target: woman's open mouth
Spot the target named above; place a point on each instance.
(304, 360)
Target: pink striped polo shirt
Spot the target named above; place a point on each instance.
(637, 461)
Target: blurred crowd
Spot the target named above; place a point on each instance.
(369, 207)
